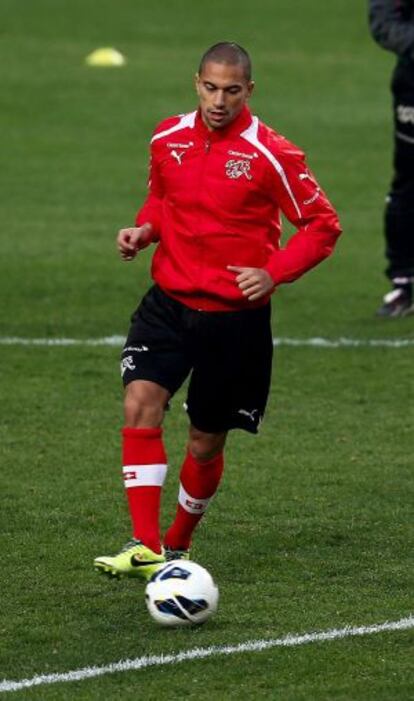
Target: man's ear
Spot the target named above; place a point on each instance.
(197, 83)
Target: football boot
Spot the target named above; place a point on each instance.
(175, 554)
(397, 303)
(134, 560)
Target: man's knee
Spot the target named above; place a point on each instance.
(144, 404)
(205, 446)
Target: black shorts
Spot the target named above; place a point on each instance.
(229, 356)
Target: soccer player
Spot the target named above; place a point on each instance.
(219, 180)
(392, 26)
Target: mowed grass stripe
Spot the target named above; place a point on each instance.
(289, 640)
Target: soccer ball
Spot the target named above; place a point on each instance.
(181, 593)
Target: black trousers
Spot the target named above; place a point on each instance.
(399, 211)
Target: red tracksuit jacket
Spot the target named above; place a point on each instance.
(215, 199)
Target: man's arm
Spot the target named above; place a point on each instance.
(147, 227)
(389, 27)
(302, 201)
(254, 283)
(150, 212)
(133, 239)
(306, 206)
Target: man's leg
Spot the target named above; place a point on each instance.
(399, 211)
(228, 389)
(144, 458)
(154, 364)
(199, 479)
(144, 471)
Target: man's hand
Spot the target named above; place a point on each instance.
(253, 282)
(130, 241)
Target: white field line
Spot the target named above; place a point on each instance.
(316, 342)
(200, 653)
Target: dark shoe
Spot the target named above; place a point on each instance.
(397, 303)
(172, 554)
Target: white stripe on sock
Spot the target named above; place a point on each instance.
(190, 504)
(144, 475)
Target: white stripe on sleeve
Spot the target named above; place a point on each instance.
(187, 120)
(250, 134)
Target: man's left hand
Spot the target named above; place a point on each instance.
(253, 282)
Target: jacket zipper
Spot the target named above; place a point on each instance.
(207, 146)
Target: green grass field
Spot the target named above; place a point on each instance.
(313, 525)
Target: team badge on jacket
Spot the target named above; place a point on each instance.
(235, 169)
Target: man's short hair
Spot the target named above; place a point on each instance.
(228, 52)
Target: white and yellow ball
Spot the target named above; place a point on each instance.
(181, 593)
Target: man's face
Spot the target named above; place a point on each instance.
(223, 91)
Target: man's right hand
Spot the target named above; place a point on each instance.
(130, 241)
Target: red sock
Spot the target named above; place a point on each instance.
(198, 484)
(144, 469)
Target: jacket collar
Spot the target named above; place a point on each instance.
(239, 124)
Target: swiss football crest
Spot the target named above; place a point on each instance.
(235, 169)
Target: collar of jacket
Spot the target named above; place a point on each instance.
(239, 124)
